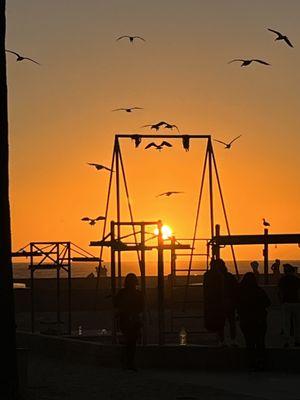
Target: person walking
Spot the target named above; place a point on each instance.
(213, 293)
(129, 303)
(252, 307)
(289, 287)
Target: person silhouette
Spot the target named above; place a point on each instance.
(275, 267)
(129, 303)
(255, 268)
(289, 287)
(213, 296)
(252, 307)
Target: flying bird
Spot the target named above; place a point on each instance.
(167, 194)
(265, 223)
(92, 221)
(131, 38)
(129, 109)
(228, 145)
(158, 147)
(21, 58)
(248, 62)
(280, 36)
(186, 142)
(99, 166)
(137, 140)
(171, 126)
(155, 126)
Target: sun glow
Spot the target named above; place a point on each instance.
(166, 232)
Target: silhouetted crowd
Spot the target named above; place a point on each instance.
(226, 299)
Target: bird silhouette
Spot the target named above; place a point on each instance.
(129, 109)
(248, 62)
(186, 142)
(227, 145)
(265, 223)
(131, 38)
(280, 36)
(92, 221)
(21, 58)
(168, 194)
(99, 166)
(155, 126)
(171, 126)
(137, 140)
(158, 147)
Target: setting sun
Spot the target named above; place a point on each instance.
(166, 232)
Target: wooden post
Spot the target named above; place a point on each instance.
(113, 278)
(32, 289)
(69, 290)
(172, 279)
(143, 281)
(118, 209)
(216, 246)
(211, 189)
(266, 258)
(160, 286)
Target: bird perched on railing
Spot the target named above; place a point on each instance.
(280, 36)
(186, 142)
(158, 147)
(99, 166)
(265, 223)
(21, 58)
(167, 194)
(131, 38)
(227, 145)
(92, 221)
(137, 140)
(129, 109)
(248, 62)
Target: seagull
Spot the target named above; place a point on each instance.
(21, 58)
(280, 36)
(227, 145)
(92, 221)
(158, 146)
(156, 126)
(129, 109)
(167, 194)
(186, 142)
(265, 223)
(171, 126)
(131, 38)
(98, 166)
(248, 62)
(137, 140)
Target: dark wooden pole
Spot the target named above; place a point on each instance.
(160, 286)
(9, 375)
(266, 258)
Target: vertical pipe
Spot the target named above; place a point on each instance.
(143, 280)
(172, 279)
(266, 258)
(113, 278)
(57, 284)
(160, 285)
(216, 246)
(69, 290)
(32, 289)
(211, 194)
(118, 209)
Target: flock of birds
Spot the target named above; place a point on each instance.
(162, 124)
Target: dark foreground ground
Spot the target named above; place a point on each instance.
(50, 379)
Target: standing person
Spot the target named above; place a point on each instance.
(275, 267)
(255, 268)
(252, 309)
(289, 286)
(129, 303)
(230, 300)
(213, 293)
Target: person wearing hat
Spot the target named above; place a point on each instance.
(129, 303)
(289, 287)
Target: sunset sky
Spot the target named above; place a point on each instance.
(60, 113)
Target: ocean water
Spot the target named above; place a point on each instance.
(81, 270)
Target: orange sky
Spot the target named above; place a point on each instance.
(60, 113)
